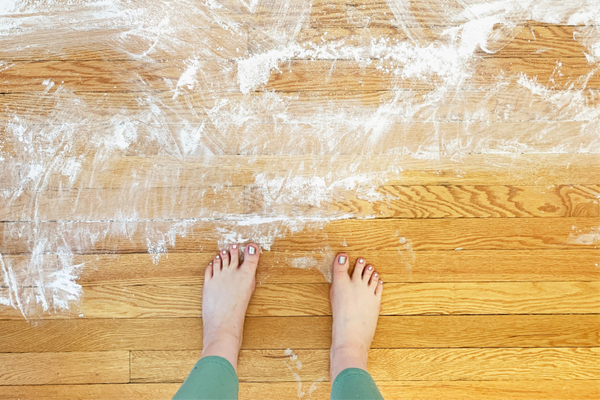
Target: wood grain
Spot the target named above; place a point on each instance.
(396, 202)
(276, 267)
(64, 368)
(545, 41)
(115, 76)
(299, 75)
(166, 301)
(444, 202)
(350, 235)
(417, 364)
(414, 390)
(113, 44)
(507, 115)
(77, 335)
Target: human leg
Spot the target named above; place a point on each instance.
(355, 301)
(227, 289)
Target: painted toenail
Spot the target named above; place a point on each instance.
(342, 260)
(251, 250)
(375, 274)
(370, 268)
(361, 261)
(224, 252)
(209, 263)
(381, 282)
(217, 257)
(234, 246)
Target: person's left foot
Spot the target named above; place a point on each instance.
(228, 287)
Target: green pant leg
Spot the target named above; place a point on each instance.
(354, 383)
(212, 378)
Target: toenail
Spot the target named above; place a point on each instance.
(217, 257)
(234, 246)
(375, 274)
(370, 268)
(251, 250)
(210, 263)
(381, 282)
(342, 260)
(361, 261)
(224, 252)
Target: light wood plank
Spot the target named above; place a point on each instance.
(416, 364)
(475, 169)
(396, 202)
(414, 390)
(123, 44)
(419, 139)
(166, 301)
(545, 41)
(133, 203)
(64, 368)
(116, 76)
(277, 267)
(302, 333)
(348, 235)
(443, 202)
(495, 115)
(318, 75)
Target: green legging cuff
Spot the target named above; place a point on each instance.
(354, 383)
(212, 378)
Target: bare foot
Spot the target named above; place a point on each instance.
(355, 302)
(228, 287)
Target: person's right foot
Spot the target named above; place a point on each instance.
(355, 302)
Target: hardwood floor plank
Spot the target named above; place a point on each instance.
(166, 301)
(110, 44)
(99, 204)
(350, 235)
(396, 202)
(76, 335)
(302, 75)
(475, 169)
(64, 368)
(544, 41)
(414, 390)
(116, 76)
(278, 267)
(347, 75)
(507, 115)
(444, 202)
(416, 364)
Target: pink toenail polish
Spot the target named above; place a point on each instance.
(361, 261)
(251, 250)
(234, 246)
(342, 260)
(370, 268)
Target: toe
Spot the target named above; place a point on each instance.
(374, 279)
(251, 257)
(217, 265)
(379, 289)
(208, 273)
(359, 267)
(341, 265)
(234, 259)
(225, 258)
(367, 273)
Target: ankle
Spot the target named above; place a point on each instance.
(347, 356)
(224, 345)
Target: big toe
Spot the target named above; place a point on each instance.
(251, 257)
(341, 264)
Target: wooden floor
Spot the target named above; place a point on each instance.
(491, 266)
